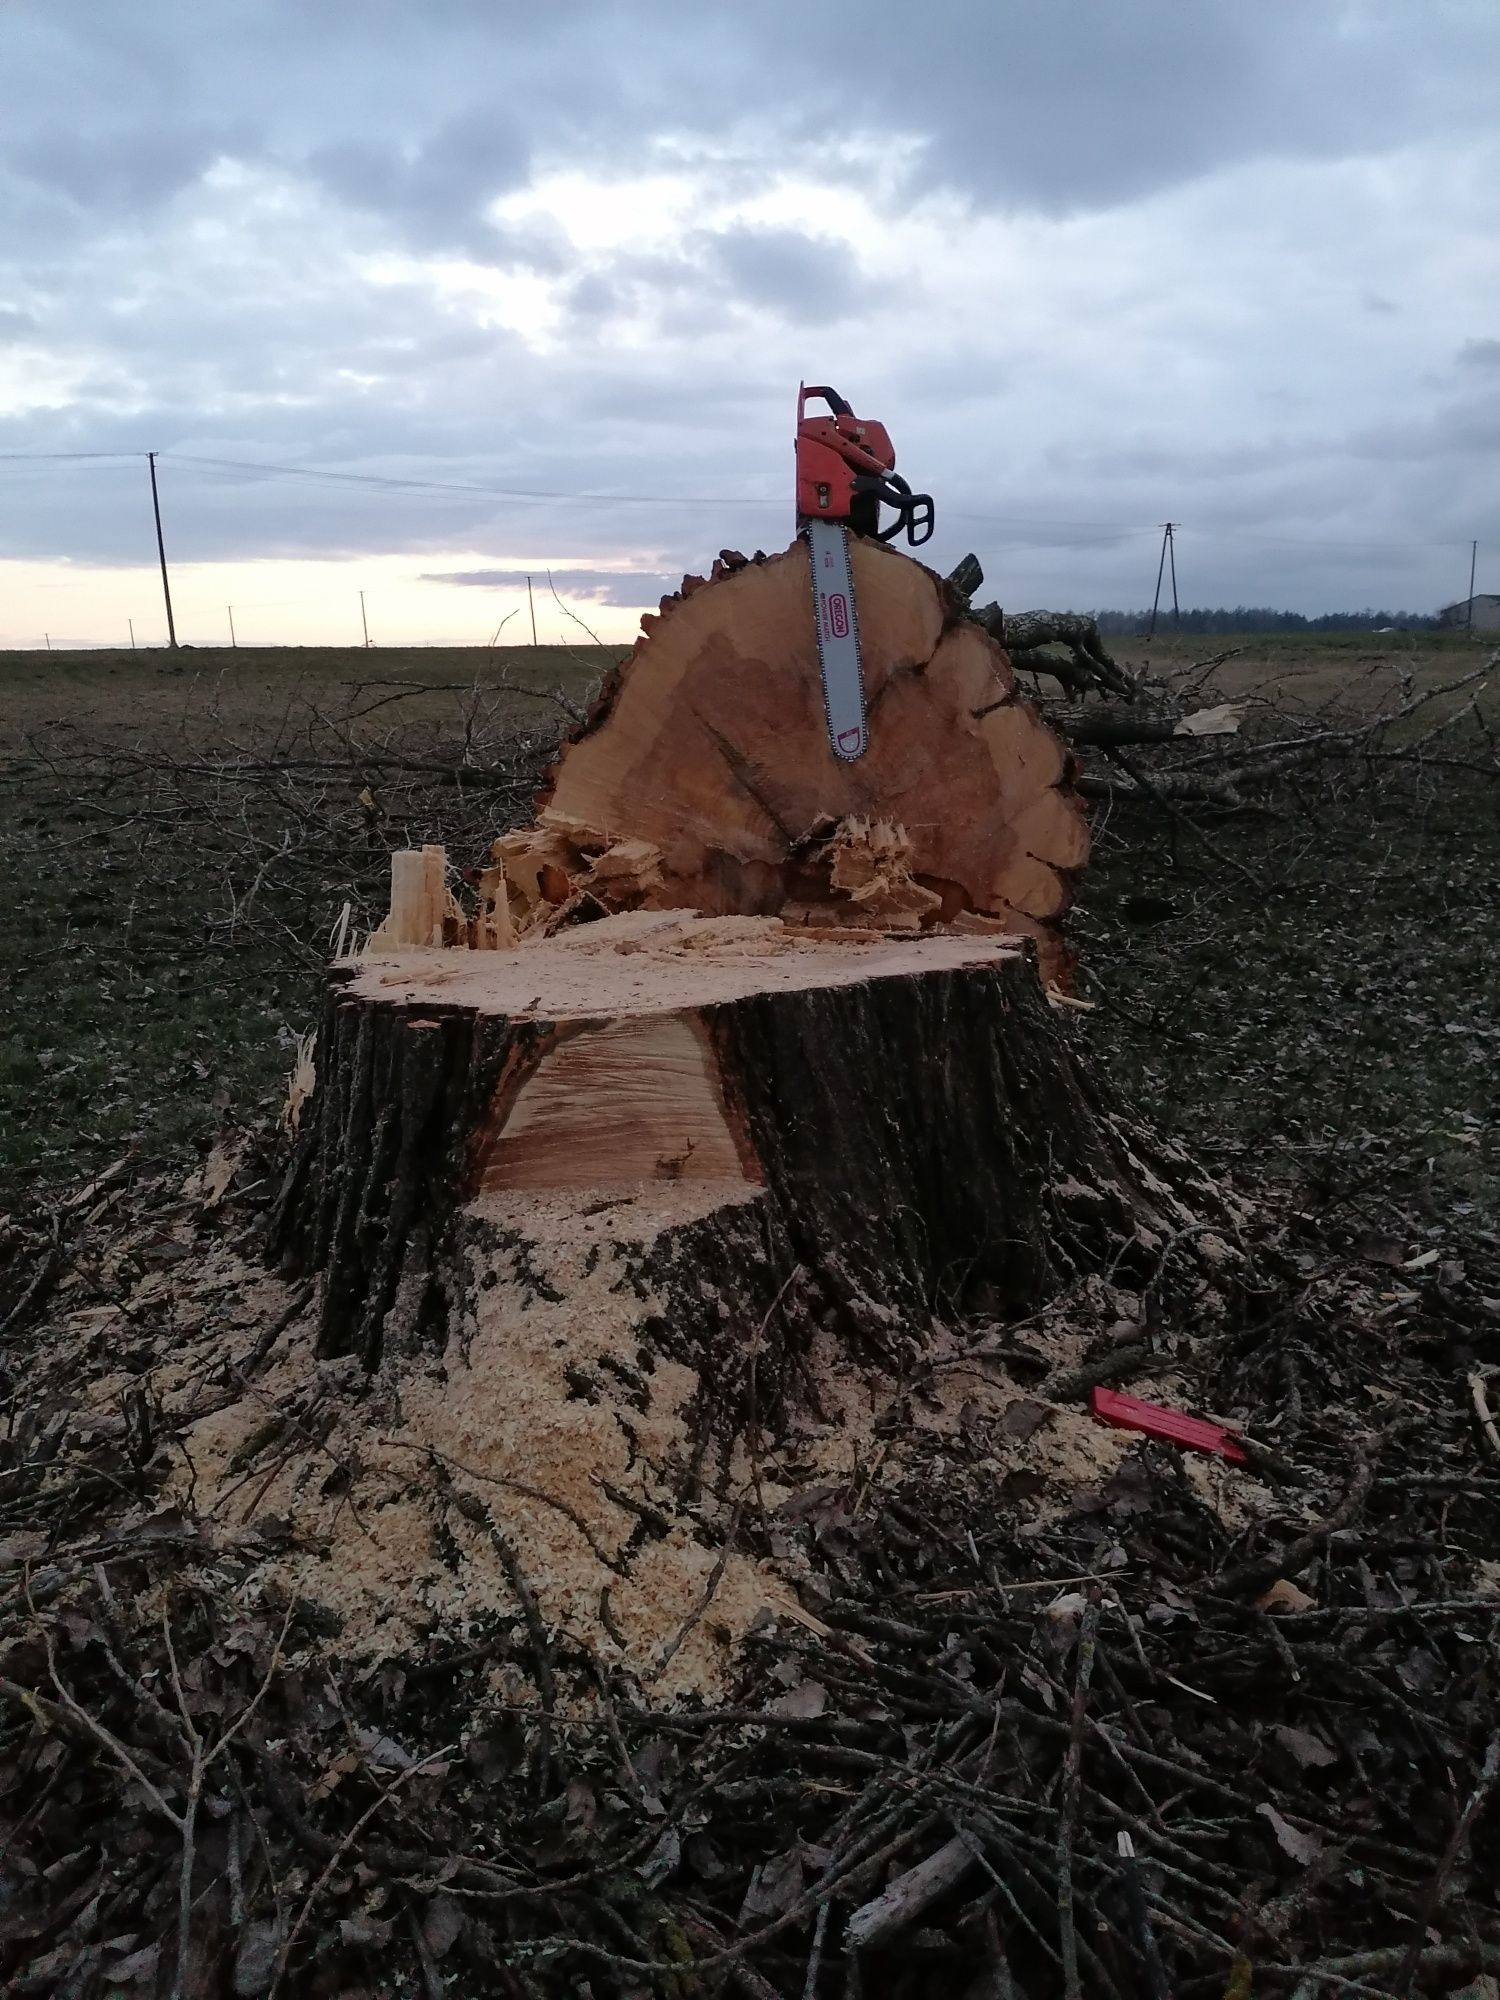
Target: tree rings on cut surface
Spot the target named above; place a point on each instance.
(703, 778)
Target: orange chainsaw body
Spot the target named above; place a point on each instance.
(845, 471)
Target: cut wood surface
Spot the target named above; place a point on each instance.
(704, 777)
(855, 1129)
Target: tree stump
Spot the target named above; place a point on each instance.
(783, 1132)
(705, 770)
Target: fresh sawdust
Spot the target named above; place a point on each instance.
(554, 1447)
(549, 1441)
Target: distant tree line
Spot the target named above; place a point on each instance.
(1261, 618)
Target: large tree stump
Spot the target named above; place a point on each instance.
(705, 767)
(784, 1131)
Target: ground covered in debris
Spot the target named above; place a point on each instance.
(948, 1688)
(954, 1685)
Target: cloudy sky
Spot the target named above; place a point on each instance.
(420, 296)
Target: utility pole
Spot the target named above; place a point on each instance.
(1168, 553)
(1473, 558)
(362, 618)
(161, 550)
(48, 637)
(1172, 560)
(131, 623)
(232, 640)
(531, 607)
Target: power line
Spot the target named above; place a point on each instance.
(405, 483)
(401, 484)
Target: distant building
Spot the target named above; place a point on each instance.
(1486, 613)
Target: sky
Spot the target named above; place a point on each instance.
(419, 300)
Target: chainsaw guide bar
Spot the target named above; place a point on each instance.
(838, 639)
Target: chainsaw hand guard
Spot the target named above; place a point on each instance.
(914, 511)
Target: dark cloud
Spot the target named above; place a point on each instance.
(801, 277)
(122, 170)
(435, 192)
(423, 111)
(1479, 354)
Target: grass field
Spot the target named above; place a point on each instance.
(161, 927)
(183, 831)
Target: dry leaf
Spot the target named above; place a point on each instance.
(23, 1547)
(441, 1923)
(1303, 1848)
(1378, 1249)
(1021, 1420)
(1310, 1751)
(1283, 1597)
(384, 1751)
(804, 1702)
(774, 1888)
(663, 1860)
(582, 1807)
(369, 1932)
(219, 1169)
(255, 1961)
(140, 1966)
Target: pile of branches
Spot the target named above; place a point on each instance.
(1231, 755)
(1021, 1740)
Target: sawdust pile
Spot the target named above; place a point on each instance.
(545, 1467)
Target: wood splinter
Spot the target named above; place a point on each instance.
(424, 913)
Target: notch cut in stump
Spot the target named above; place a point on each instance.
(703, 777)
(786, 1133)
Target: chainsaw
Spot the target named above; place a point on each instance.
(846, 472)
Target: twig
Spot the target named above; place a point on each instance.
(189, 1814)
(1483, 1412)
(815, 1956)
(715, 1577)
(567, 613)
(903, 1900)
(1264, 1568)
(1072, 1785)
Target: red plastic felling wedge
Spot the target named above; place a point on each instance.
(1129, 1413)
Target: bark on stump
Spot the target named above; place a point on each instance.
(789, 1130)
(705, 766)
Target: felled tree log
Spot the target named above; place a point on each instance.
(1102, 726)
(789, 1130)
(706, 759)
(1026, 634)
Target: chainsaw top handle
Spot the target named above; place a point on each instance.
(831, 397)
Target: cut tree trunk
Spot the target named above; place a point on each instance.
(703, 777)
(788, 1131)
